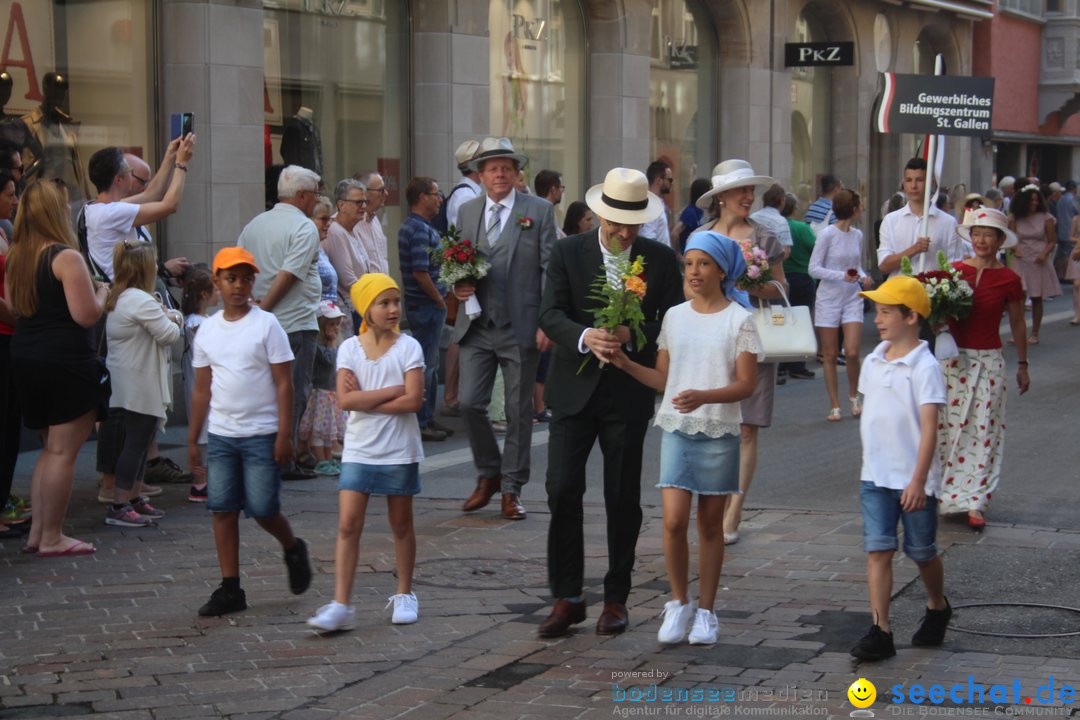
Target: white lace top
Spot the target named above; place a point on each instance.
(703, 349)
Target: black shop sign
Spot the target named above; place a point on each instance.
(819, 53)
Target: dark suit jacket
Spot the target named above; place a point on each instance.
(574, 265)
(525, 264)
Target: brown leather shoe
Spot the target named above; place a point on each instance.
(512, 509)
(481, 496)
(563, 615)
(614, 620)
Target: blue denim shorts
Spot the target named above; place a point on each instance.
(699, 463)
(380, 479)
(881, 514)
(242, 475)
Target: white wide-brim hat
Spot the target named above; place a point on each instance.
(624, 198)
(493, 147)
(465, 152)
(729, 175)
(987, 217)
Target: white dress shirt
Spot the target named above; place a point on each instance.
(901, 227)
(612, 269)
(463, 195)
(506, 205)
(657, 229)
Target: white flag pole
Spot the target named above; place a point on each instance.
(931, 162)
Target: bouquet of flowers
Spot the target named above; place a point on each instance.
(620, 296)
(757, 265)
(950, 295)
(459, 261)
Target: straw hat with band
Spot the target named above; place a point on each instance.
(624, 198)
(465, 152)
(988, 217)
(231, 257)
(492, 147)
(901, 290)
(729, 175)
(364, 291)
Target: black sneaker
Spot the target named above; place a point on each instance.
(295, 472)
(874, 645)
(931, 632)
(440, 427)
(223, 602)
(802, 374)
(296, 560)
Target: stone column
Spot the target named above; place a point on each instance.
(213, 66)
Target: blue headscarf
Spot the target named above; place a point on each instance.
(728, 255)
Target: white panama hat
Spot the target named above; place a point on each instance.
(987, 217)
(732, 174)
(624, 198)
(465, 152)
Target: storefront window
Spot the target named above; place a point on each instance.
(335, 89)
(811, 117)
(538, 85)
(77, 79)
(682, 90)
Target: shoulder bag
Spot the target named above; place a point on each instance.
(786, 331)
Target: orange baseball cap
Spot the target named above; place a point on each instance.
(233, 256)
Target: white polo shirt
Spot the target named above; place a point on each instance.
(900, 228)
(893, 392)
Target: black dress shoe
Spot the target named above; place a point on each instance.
(563, 615)
(614, 620)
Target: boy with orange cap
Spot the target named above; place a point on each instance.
(243, 380)
(903, 388)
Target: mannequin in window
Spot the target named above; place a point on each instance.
(300, 142)
(11, 127)
(53, 129)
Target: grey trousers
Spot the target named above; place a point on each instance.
(482, 351)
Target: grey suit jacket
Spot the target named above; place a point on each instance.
(529, 250)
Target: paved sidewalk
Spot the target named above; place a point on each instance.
(116, 634)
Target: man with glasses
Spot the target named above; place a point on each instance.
(660, 180)
(285, 244)
(343, 246)
(425, 308)
(369, 229)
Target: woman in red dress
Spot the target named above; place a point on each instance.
(973, 424)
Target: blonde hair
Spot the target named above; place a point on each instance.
(134, 266)
(43, 220)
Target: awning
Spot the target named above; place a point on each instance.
(980, 9)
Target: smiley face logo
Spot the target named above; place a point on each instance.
(862, 693)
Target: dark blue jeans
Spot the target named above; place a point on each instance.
(426, 322)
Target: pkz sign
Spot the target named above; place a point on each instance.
(819, 53)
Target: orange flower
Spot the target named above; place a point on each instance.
(636, 285)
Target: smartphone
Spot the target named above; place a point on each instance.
(182, 124)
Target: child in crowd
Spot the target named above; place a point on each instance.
(199, 294)
(243, 380)
(706, 364)
(904, 389)
(323, 422)
(139, 331)
(380, 379)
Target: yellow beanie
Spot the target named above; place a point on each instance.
(364, 291)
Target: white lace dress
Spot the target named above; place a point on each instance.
(703, 349)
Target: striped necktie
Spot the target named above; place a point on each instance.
(493, 225)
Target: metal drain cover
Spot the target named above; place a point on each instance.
(1017, 620)
(482, 573)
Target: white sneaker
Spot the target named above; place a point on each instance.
(333, 617)
(677, 619)
(730, 538)
(706, 630)
(406, 608)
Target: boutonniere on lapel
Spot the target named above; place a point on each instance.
(524, 222)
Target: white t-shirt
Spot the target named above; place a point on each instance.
(106, 225)
(893, 391)
(243, 396)
(377, 438)
(836, 251)
(703, 350)
(657, 229)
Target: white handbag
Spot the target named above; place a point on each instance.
(786, 331)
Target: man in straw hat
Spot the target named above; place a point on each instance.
(515, 232)
(600, 402)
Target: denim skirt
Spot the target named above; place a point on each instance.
(699, 463)
(380, 479)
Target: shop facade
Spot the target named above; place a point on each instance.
(580, 86)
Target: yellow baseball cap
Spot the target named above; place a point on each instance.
(902, 290)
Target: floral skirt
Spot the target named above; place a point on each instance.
(322, 422)
(971, 434)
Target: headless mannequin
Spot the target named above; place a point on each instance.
(300, 141)
(51, 126)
